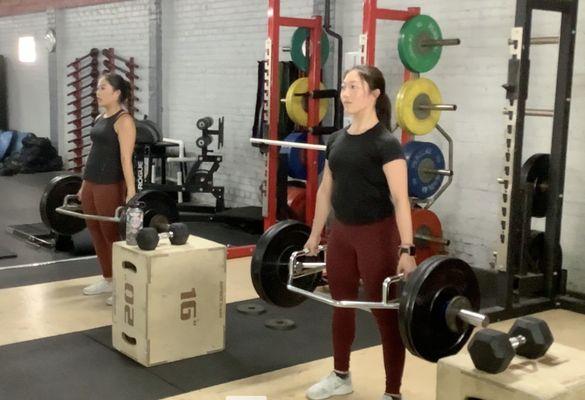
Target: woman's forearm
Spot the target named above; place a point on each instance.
(322, 209)
(404, 221)
(128, 171)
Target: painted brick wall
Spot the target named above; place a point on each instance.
(123, 26)
(210, 54)
(28, 84)
(471, 76)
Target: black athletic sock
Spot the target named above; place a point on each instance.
(342, 375)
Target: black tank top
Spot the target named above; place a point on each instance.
(104, 165)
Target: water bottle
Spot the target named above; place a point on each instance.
(134, 220)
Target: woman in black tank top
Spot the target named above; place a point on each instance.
(108, 178)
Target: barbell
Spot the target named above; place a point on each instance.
(61, 211)
(437, 307)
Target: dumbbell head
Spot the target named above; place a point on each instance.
(537, 334)
(491, 351)
(147, 239)
(179, 233)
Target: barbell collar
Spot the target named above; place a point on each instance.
(432, 239)
(440, 42)
(282, 143)
(473, 318)
(443, 172)
(517, 341)
(438, 107)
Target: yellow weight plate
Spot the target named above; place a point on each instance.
(409, 117)
(296, 106)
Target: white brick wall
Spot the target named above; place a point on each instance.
(210, 49)
(123, 26)
(28, 84)
(471, 76)
(210, 54)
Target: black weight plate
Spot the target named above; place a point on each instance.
(269, 267)
(280, 324)
(251, 309)
(425, 296)
(52, 197)
(535, 256)
(535, 172)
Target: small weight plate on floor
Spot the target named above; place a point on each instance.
(251, 309)
(280, 324)
(426, 295)
(426, 222)
(52, 197)
(413, 93)
(535, 173)
(269, 269)
(296, 102)
(413, 54)
(298, 48)
(421, 157)
(297, 158)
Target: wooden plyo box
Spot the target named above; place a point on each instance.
(559, 375)
(169, 303)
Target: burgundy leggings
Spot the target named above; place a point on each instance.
(369, 252)
(103, 200)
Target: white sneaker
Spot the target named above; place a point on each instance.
(110, 300)
(102, 286)
(388, 397)
(331, 385)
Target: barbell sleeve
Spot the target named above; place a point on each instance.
(533, 112)
(545, 40)
(473, 318)
(440, 42)
(438, 107)
(444, 172)
(432, 239)
(283, 143)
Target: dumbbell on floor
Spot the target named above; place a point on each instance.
(492, 351)
(147, 238)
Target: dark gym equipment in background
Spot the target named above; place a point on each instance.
(536, 188)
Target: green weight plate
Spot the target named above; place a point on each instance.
(298, 48)
(413, 54)
(52, 197)
(423, 305)
(269, 269)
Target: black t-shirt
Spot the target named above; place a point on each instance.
(360, 190)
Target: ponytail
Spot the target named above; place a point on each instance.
(384, 110)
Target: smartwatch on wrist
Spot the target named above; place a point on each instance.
(406, 249)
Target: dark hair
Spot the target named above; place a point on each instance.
(375, 80)
(119, 83)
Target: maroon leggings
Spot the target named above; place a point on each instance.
(103, 200)
(369, 252)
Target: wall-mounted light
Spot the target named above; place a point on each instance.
(50, 40)
(27, 52)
